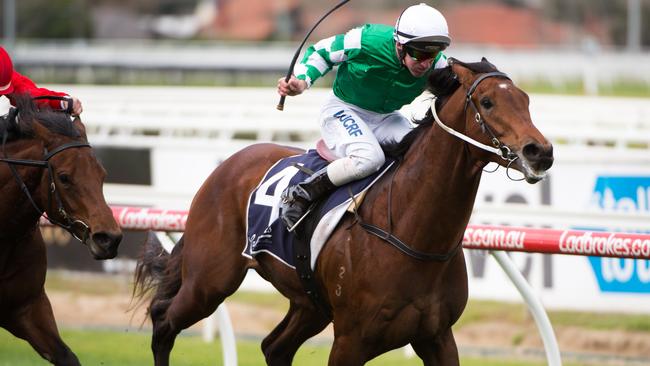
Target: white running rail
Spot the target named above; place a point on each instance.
(187, 116)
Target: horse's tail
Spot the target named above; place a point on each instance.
(157, 270)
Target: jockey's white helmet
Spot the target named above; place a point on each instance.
(422, 24)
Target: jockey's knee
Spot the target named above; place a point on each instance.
(366, 165)
(354, 167)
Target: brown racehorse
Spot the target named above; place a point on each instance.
(46, 165)
(380, 298)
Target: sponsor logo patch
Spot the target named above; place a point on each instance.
(349, 123)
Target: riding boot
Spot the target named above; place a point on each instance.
(297, 199)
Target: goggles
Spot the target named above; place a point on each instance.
(420, 55)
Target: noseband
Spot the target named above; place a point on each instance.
(69, 223)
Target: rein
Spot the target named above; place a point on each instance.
(394, 240)
(498, 148)
(69, 223)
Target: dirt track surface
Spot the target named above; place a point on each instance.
(105, 302)
(84, 310)
(114, 311)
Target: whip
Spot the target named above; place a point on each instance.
(280, 105)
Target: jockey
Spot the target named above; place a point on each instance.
(13, 84)
(380, 69)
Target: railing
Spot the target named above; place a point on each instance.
(512, 213)
(187, 116)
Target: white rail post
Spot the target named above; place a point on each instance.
(228, 343)
(534, 305)
(209, 328)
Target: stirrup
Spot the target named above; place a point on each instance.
(291, 229)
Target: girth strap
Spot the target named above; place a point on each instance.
(397, 243)
(388, 237)
(302, 256)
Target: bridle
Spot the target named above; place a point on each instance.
(497, 147)
(504, 150)
(68, 222)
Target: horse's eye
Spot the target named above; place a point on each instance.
(64, 178)
(486, 103)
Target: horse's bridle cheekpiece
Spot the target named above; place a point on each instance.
(69, 223)
(498, 147)
(506, 154)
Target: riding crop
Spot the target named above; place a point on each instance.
(280, 105)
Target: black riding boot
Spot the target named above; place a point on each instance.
(297, 199)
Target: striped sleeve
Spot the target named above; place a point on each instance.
(440, 61)
(321, 57)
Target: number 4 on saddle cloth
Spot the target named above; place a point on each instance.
(267, 233)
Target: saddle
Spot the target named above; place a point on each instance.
(266, 233)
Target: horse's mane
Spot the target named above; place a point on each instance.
(442, 83)
(22, 126)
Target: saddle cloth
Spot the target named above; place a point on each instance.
(267, 233)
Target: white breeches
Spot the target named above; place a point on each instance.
(354, 135)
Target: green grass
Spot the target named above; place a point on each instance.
(108, 348)
(599, 321)
(103, 347)
(272, 300)
(618, 88)
(477, 311)
(572, 86)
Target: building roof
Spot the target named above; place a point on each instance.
(477, 23)
(503, 25)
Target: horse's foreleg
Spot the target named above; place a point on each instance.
(439, 351)
(35, 324)
(301, 323)
(347, 351)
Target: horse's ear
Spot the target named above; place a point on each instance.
(79, 126)
(12, 119)
(485, 60)
(464, 75)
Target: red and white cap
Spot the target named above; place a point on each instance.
(6, 72)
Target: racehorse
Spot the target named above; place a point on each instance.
(380, 298)
(46, 166)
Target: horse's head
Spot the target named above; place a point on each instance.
(497, 115)
(70, 191)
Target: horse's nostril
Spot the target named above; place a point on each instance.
(107, 239)
(539, 156)
(532, 150)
